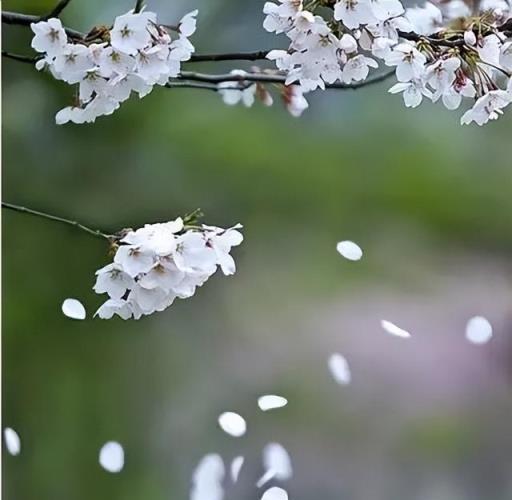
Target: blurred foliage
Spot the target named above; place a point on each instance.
(414, 187)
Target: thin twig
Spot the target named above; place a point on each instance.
(18, 19)
(234, 56)
(190, 85)
(19, 57)
(138, 6)
(37, 213)
(272, 78)
(57, 10)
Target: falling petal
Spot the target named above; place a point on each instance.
(275, 493)
(270, 474)
(232, 424)
(12, 441)
(207, 479)
(349, 250)
(112, 457)
(270, 402)
(339, 369)
(394, 330)
(236, 465)
(277, 464)
(478, 330)
(73, 309)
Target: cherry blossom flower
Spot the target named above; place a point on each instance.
(157, 263)
(50, 37)
(488, 107)
(138, 55)
(353, 13)
(130, 32)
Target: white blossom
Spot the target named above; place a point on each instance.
(50, 37)
(488, 107)
(409, 62)
(412, 92)
(353, 13)
(157, 263)
(140, 54)
(130, 32)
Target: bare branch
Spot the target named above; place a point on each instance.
(191, 85)
(271, 78)
(138, 6)
(19, 58)
(15, 18)
(57, 10)
(55, 218)
(235, 56)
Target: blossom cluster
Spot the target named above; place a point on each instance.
(443, 53)
(157, 263)
(108, 65)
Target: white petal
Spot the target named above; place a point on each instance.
(236, 465)
(232, 424)
(112, 457)
(339, 369)
(73, 309)
(270, 474)
(394, 330)
(270, 401)
(207, 479)
(478, 330)
(277, 464)
(349, 250)
(12, 441)
(275, 493)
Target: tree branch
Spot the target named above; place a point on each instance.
(234, 56)
(270, 78)
(15, 18)
(191, 85)
(57, 10)
(55, 218)
(138, 6)
(19, 57)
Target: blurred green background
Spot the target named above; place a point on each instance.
(428, 200)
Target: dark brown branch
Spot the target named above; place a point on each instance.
(57, 10)
(235, 56)
(271, 78)
(15, 18)
(191, 85)
(138, 6)
(19, 57)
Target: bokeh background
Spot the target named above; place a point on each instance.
(428, 200)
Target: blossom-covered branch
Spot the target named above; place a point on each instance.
(157, 263)
(443, 52)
